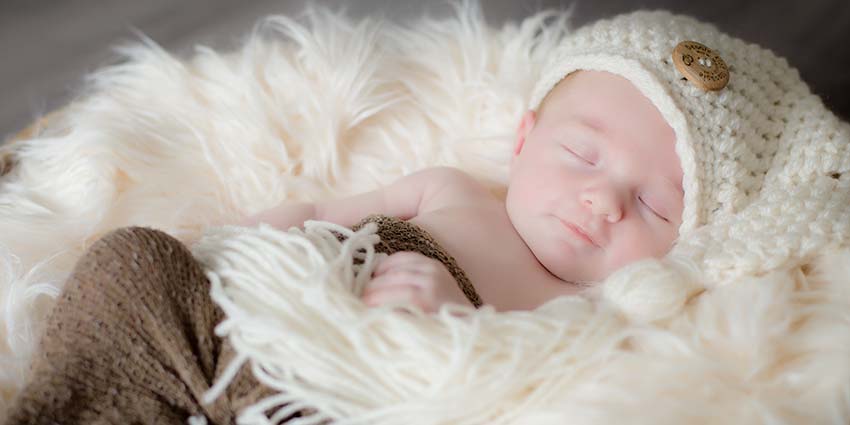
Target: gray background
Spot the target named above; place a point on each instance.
(47, 47)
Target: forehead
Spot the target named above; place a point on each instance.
(604, 95)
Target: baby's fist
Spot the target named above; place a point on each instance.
(410, 277)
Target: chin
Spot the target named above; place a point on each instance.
(556, 266)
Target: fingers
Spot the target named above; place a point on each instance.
(398, 286)
(406, 259)
(409, 278)
(394, 277)
(396, 295)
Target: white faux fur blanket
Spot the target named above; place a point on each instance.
(740, 354)
(329, 107)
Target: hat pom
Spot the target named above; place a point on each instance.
(651, 289)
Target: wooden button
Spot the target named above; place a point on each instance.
(700, 65)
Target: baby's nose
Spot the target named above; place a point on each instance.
(604, 202)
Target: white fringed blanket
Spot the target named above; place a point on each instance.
(755, 351)
(330, 107)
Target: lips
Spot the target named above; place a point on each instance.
(581, 234)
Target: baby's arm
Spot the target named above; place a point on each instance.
(403, 198)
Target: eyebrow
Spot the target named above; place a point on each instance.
(598, 127)
(677, 186)
(593, 124)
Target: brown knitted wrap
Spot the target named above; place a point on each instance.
(399, 235)
(131, 339)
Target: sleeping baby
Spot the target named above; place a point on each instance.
(595, 183)
(645, 133)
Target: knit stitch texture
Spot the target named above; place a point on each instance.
(132, 338)
(765, 164)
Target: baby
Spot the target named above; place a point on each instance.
(595, 183)
(643, 130)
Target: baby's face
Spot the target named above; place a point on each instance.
(599, 159)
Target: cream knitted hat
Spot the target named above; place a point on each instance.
(766, 165)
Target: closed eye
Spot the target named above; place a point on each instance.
(652, 209)
(573, 153)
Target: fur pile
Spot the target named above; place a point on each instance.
(325, 106)
(759, 350)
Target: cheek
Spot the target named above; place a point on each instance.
(638, 241)
(535, 181)
(525, 200)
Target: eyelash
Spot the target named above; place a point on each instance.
(578, 156)
(652, 210)
(639, 198)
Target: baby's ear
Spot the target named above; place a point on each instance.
(526, 123)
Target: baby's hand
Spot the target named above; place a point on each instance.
(413, 278)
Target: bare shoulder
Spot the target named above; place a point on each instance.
(450, 175)
(451, 186)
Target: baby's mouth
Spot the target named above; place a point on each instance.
(578, 232)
